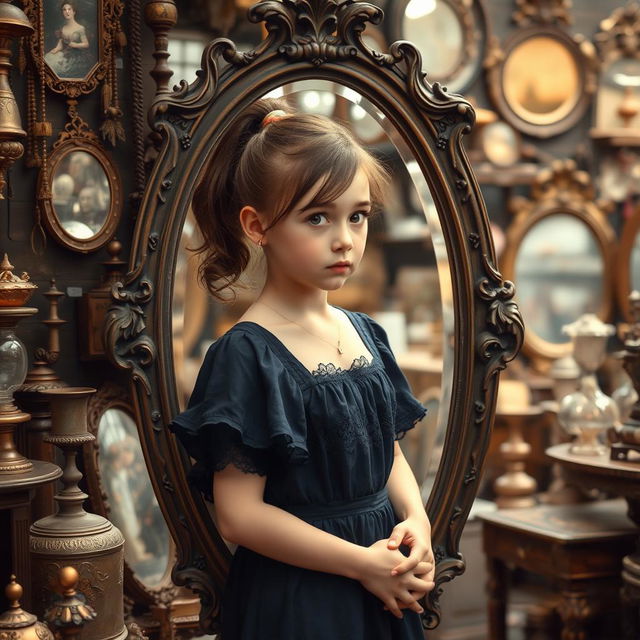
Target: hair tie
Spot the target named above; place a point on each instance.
(272, 116)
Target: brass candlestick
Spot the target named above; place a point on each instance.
(13, 24)
(72, 537)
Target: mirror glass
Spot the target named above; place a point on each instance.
(133, 505)
(500, 143)
(634, 264)
(71, 37)
(403, 281)
(619, 87)
(541, 80)
(435, 28)
(559, 275)
(448, 34)
(80, 194)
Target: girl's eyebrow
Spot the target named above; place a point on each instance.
(331, 205)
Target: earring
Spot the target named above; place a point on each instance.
(260, 243)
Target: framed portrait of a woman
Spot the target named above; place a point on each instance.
(71, 37)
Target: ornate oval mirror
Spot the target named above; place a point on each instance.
(320, 40)
(559, 255)
(542, 80)
(85, 204)
(628, 266)
(121, 490)
(405, 268)
(450, 34)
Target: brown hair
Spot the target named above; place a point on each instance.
(271, 168)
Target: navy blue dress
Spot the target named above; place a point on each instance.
(325, 441)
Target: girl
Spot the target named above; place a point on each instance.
(297, 408)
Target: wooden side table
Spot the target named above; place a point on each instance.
(578, 547)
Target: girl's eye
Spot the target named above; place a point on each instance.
(360, 216)
(317, 219)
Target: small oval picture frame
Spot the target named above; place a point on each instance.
(84, 209)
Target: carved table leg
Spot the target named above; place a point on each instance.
(497, 591)
(574, 610)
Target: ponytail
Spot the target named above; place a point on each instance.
(216, 205)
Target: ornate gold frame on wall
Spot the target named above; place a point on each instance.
(75, 137)
(308, 39)
(108, 18)
(560, 189)
(582, 53)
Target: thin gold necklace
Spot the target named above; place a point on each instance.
(338, 347)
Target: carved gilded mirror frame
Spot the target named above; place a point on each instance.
(560, 189)
(580, 51)
(308, 39)
(114, 396)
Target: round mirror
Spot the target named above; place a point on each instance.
(449, 35)
(427, 22)
(403, 281)
(559, 275)
(541, 80)
(133, 505)
(80, 194)
(500, 143)
(85, 204)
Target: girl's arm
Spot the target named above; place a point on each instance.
(245, 519)
(414, 530)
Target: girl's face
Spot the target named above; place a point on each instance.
(68, 11)
(319, 247)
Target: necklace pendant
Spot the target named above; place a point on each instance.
(339, 350)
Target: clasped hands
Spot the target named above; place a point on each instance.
(401, 581)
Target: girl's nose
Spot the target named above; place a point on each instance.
(343, 240)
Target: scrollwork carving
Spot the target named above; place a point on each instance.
(124, 336)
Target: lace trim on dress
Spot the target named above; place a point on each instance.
(331, 369)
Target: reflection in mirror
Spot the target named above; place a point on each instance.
(427, 22)
(403, 280)
(559, 272)
(541, 80)
(133, 505)
(80, 194)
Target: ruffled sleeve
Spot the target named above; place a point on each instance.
(245, 410)
(409, 410)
